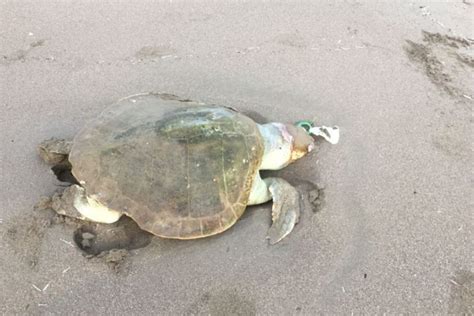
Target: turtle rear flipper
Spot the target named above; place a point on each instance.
(286, 208)
(73, 202)
(54, 151)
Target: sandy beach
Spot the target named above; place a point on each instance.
(394, 232)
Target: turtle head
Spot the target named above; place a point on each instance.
(284, 143)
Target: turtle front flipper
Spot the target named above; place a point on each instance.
(285, 210)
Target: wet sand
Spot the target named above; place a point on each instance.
(394, 234)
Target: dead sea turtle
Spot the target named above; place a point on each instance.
(180, 169)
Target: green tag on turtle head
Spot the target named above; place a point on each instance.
(307, 125)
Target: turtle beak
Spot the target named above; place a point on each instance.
(303, 143)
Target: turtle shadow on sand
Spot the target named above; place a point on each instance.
(95, 238)
(111, 242)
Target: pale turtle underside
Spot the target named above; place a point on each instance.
(179, 169)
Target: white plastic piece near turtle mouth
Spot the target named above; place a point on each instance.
(331, 134)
